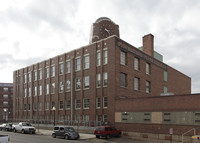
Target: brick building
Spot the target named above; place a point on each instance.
(94, 82)
(6, 101)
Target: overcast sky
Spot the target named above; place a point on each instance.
(35, 30)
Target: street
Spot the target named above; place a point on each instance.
(36, 138)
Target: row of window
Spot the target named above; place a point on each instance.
(86, 85)
(86, 104)
(86, 65)
(5, 89)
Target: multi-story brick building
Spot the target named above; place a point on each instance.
(6, 102)
(86, 83)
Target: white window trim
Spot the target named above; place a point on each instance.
(79, 57)
(54, 70)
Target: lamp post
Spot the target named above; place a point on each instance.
(5, 111)
(54, 109)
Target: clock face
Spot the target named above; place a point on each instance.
(106, 30)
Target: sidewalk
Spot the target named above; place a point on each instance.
(49, 132)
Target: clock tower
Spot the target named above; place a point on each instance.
(103, 28)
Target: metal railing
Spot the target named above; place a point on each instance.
(193, 129)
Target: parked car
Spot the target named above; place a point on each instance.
(24, 127)
(65, 132)
(8, 127)
(2, 126)
(107, 132)
(4, 138)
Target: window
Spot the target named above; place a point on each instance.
(87, 62)
(61, 68)
(77, 118)
(136, 64)
(123, 58)
(98, 102)
(25, 92)
(40, 92)
(40, 74)
(34, 106)
(147, 117)
(29, 77)
(78, 64)
(68, 67)
(105, 118)
(78, 83)
(98, 80)
(46, 105)
(24, 106)
(68, 104)
(52, 104)
(136, 83)
(166, 117)
(86, 104)
(61, 105)
(40, 105)
(123, 80)
(47, 89)
(148, 68)
(105, 79)
(61, 87)
(35, 91)
(165, 89)
(5, 103)
(105, 102)
(52, 88)
(5, 89)
(98, 120)
(86, 82)
(78, 104)
(105, 57)
(29, 91)
(29, 107)
(165, 75)
(53, 71)
(5, 96)
(25, 78)
(47, 72)
(148, 84)
(68, 85)
(98, 58)
(35, 75)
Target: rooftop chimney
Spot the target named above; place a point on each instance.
(148, 44)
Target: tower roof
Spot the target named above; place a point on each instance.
(102, 18)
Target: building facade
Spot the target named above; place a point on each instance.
(6, 102)
(86, 83)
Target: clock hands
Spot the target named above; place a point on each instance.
(107, 31)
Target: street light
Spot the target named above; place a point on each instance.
(54, 109)
(5, 110)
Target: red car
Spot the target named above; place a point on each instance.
(107, 132)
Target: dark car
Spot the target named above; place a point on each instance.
(6, 126)
(107, 132)
(65, 132)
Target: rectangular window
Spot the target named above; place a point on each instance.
(78, 104)
(148, 87)
(29, 107)
(61, 87)
(86, 82)
(105, 79)
(105, 118)
(136, 83)
(78, 83)
(35, 75)
(47, 72)
(98, 118)
(68, 85)
(40, 74)
(47, 89)
(61, 105)
(136, 64)
(86, 104)
(25, 78)
(5, 96)
(53, 71)
(166, 117)
(46, 105)
(25, 92)
(123, 80)
(40, 105)
(148, 68)
(105, 102)
(78, 64)
(29, 91)
(98, 102)
(29, 77)
(40, 92)
(98, 80)
(165, 76)
(68, 67)
(24, 106)
(123, 58)
(147, 117)
(105, 57)
(165, 89)
(68, 104)
(77, 118)
(86, 62)
(34, 106)
(52, 88)
(52, 104)
(35, 91)
(98, 58)
(61, 68)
